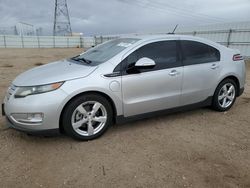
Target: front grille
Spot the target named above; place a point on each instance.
(11, 90)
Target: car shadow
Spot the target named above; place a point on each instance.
(115, 129)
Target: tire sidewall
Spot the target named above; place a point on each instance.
(70, 108)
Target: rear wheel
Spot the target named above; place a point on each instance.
(87, 117)
(225, 95)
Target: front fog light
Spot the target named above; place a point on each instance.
(28, 118)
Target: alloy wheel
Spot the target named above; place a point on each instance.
(226, 95)
(89, 118)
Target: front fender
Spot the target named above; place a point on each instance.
(72, 89)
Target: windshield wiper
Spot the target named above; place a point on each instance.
(77, 58)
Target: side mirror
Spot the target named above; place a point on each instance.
(145, 63)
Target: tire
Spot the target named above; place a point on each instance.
(87, 117)
(224, 98)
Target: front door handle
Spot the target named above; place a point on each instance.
(214, 66)
(173, 73)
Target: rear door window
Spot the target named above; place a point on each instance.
(198, 53)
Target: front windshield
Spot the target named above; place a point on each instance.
(106, 51)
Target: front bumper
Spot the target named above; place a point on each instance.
(48, 132)
(49, 105)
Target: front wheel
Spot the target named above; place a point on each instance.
(225, 95)
(87, 117)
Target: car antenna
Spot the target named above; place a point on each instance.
(173, 32)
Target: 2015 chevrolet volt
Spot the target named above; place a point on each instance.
(124, 79)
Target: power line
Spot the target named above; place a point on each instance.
(168, 10)
(180, 9)
(165, 11)
(174, 11)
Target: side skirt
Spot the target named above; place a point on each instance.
(121, 119)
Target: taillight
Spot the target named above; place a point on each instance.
(237, 57)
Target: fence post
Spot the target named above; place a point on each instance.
(54, 41)
(101, 39)
(4, 41)
(81, 42)
(67, 42)
(22, 41)
(38, 41)
(95, 40)
(229, 37)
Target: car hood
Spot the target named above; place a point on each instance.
(54, 72)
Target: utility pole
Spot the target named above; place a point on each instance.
(62, 25)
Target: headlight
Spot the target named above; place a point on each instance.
(32, 90)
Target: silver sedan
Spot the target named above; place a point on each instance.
(121, 80)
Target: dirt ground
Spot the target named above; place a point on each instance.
(199, 148)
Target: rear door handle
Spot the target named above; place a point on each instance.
(173, 73)
(214, 66)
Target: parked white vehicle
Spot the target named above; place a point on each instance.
(124, 79)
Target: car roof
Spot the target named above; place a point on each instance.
(163, 36)
(152, 37)
(172, 36)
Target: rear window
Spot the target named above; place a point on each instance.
(197, 53)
